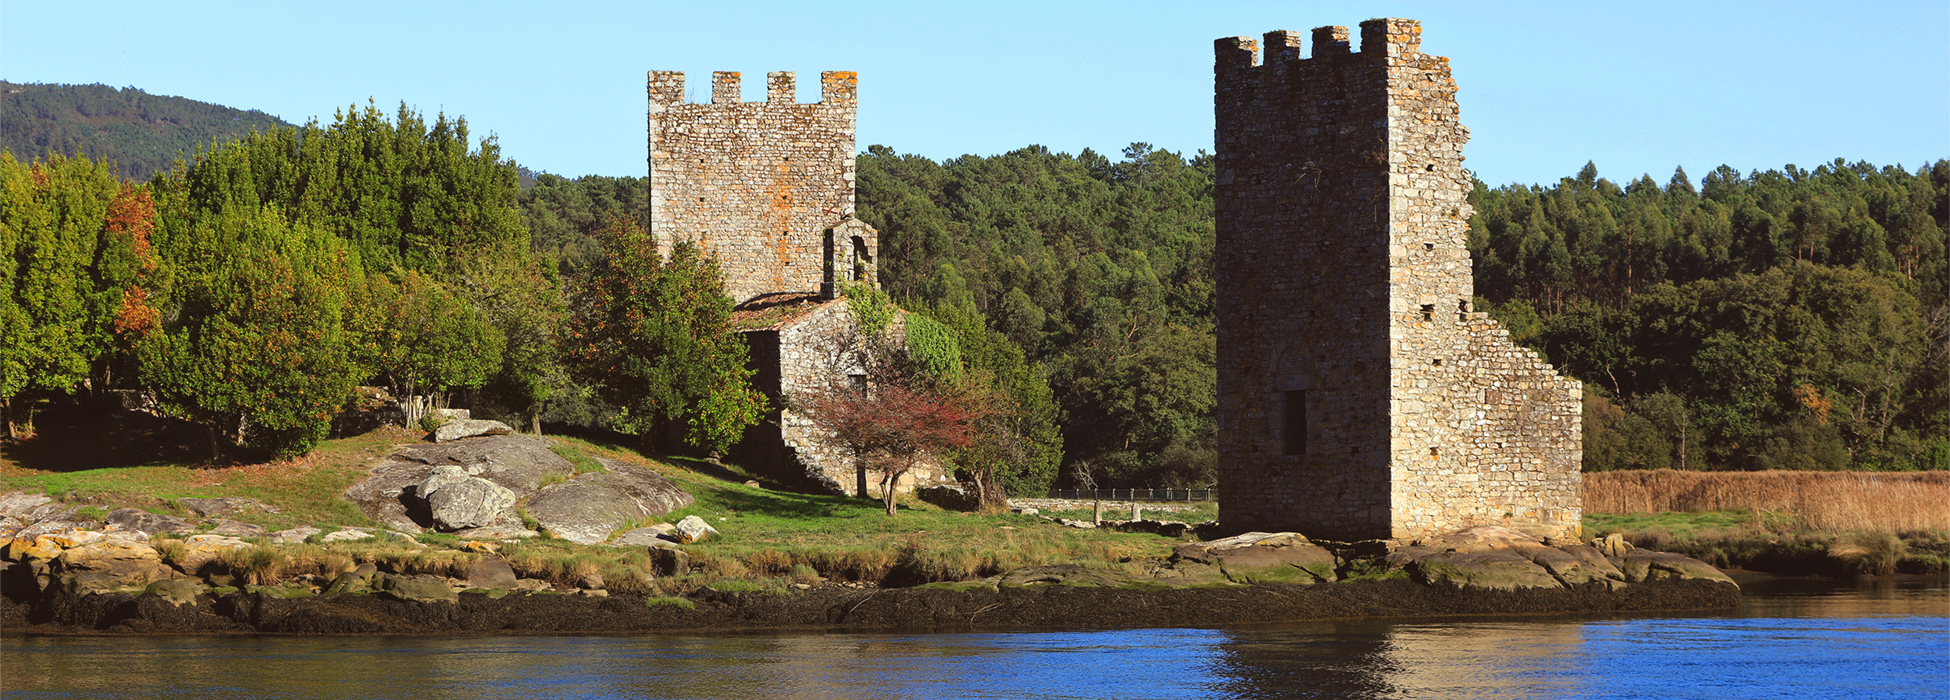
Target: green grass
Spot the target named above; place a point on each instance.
(1676, 524)
(307, 490)
(767, 534)
(1775, 542)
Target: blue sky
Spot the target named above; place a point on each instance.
(1638, 87)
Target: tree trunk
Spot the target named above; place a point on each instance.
(535, 422)
(887, 489)
(860, 473)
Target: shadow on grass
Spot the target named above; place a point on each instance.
(72, 437)
(777, 497)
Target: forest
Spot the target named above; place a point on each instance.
(1781, 319)
(139, 133)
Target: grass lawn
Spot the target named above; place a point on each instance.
(768, 534)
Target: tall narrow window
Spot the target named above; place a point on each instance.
(1294, 432)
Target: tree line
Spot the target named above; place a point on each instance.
(1783, 319)
(1791, 318)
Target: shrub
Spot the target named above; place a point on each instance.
(1871, 553)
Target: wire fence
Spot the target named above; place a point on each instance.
(1153, 495)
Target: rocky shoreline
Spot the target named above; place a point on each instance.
(935, 607)
(1250, 578)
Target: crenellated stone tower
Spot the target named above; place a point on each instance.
(766, 187)
(1359, 394)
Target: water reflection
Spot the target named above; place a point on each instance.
(1822, 641)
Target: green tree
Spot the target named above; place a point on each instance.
(654, 337)
(57, 316)
(257, 351)
(429, 340)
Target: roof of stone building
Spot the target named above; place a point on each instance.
(773, 312)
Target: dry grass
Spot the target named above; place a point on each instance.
(1822, 501)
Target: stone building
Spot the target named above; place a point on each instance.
(1359, 394)
(767, 189)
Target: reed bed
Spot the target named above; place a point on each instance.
(1822, 501)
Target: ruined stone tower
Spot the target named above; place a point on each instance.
(766, 187)
(1359, 395)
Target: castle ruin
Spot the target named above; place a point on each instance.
(766, 189)
(1359, 394)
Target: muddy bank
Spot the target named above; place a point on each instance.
(941, 607)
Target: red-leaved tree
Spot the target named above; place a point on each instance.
(889, 426)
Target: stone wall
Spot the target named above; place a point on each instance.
(1359, 395)
(810, 348)
(760, 184)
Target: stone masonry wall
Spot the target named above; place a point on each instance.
(1344, 276)
(807, 353)
(758, 183)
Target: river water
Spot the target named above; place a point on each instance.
(1791, 639)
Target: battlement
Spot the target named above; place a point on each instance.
(1393, 38)
(761, 185)
(838, 88)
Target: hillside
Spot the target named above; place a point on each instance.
(141, 133)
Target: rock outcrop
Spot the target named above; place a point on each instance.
(461, 429)
(588, 509)
(1262, 557)
(479, 488)
(457, 501)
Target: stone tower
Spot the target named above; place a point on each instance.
(1359, 395)
(766, 187)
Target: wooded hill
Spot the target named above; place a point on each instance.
(139, 133)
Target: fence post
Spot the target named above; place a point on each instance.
(1097, 517)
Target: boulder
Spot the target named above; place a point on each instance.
(1264, 557)
(1646, 565)
(491, 573)
(517, 462)
(419, 589)
(109, 563)
(532, 585)
(209, 507)
(464, 428)
(177, 591)
(456, 501)
(148, 523)
(1612, 545)
(37, 549)
(644, 536)
(235, 528)
(693, 529)
(21, 504)
(1577, 564)
(57, 524)
(587, 509)
(1500, 568)
(383, 494)
(296, 535)
(347, 535)
(356, 580)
